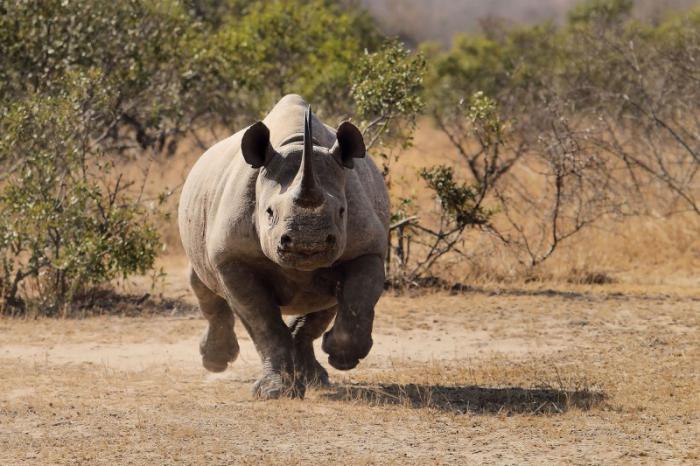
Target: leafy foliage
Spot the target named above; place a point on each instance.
(136, 46)
(389, 81)
(306, 47)
(178, 65)
(459, 200)
(388, 88)
(62, 229)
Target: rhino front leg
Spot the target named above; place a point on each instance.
(218, 346)
(305, 329)
(255, 305)
(361, 284)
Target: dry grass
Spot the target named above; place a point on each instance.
(513, 378)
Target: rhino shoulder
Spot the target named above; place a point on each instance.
(368, 211)
(216, 207)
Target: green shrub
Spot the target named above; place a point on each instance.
(137, 46)
(459, 200)
(65, 224)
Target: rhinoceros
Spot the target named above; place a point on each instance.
(286, 218)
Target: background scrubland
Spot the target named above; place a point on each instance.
(543, 292)
(560, 151)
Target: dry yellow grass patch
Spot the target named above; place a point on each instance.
(511, 378)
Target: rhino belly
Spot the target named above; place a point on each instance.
(306, 302)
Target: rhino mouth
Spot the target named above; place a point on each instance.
(302, 254)
(305, 258)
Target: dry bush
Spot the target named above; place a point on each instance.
(556, 131)
(646, 249)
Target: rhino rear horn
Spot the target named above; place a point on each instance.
(349, 145)
(256, 146)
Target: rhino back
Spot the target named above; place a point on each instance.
(287, 119)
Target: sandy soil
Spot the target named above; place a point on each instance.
(509, 378)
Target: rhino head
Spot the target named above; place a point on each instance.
(300, 211)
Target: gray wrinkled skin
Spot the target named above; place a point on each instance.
(276, 224)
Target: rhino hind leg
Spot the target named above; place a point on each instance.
(305, 329)
(219, 345)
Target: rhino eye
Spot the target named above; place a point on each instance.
(342, 211)
(269, 212)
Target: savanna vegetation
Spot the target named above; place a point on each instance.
(90, 88)
(552, 128)
(558, 128)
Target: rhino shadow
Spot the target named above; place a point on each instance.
(469, 398)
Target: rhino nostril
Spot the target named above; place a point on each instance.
(286, 241)
(330, 239)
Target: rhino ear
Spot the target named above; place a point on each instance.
(256, 146)
(349, 145)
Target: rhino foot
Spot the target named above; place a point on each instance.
(343, 364)
(344, 352)
(218, 347)
(273, 385)
(307, 368)
(313, 374)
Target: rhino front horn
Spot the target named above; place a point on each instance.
(309, 194)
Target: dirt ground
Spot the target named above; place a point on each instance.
(510, 377)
